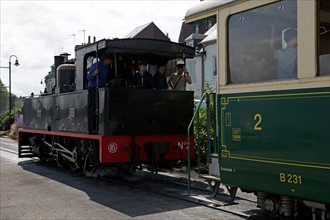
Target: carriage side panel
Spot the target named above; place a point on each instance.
(277, 142)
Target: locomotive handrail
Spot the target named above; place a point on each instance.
(207, 95)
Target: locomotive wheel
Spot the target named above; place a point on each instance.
(89, 167)
(42, 157)
(73, 166)
(59, 160)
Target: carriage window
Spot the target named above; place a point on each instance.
(324, 38)
(263, 44)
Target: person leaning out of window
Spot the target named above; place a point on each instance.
(98, 74)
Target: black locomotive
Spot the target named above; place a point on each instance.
(115, 125)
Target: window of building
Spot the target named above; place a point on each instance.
(209, 23)
(262, 43)
(324, 38)
(196, 28)
(214, 65)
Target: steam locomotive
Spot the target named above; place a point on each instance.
(116, 125)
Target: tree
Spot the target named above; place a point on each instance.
(4, 94)
(4, 99)
(6, 119)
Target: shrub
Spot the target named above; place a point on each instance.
(200, 130)
(18, 122)
(12, 134)
(6, 120)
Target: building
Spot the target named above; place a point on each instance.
(149, 30)
(201, 34)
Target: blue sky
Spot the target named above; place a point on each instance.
(36, 31)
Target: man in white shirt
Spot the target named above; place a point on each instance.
(179, 79)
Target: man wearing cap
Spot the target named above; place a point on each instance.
(142, 78)
(179, 79)
(98, 74)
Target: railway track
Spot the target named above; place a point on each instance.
(175, 186)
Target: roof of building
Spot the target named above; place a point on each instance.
(196, 37)
(211, 35)
(186, 30)
(149, 30)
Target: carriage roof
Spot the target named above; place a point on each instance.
(207, 6)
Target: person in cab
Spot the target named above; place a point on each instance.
(179, 79)
(142, 78)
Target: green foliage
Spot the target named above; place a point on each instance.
(4, 101)
(12, 133)
(201, 128)
(6, 120)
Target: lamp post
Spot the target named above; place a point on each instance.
(9, 67)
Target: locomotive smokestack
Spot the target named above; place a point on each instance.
(89, 39)
(94, 39)
(58, 60)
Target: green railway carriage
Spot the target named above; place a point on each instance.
(269, 144)
(274, 127)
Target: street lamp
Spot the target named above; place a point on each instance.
(9, 67)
